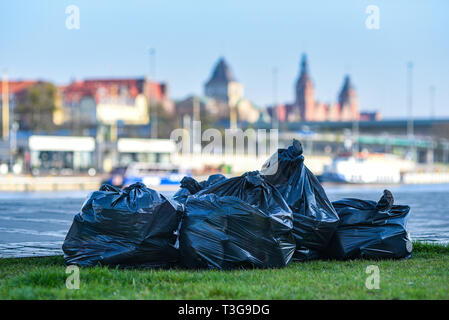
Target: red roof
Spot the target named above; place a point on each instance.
(99, 88)
(17, 86)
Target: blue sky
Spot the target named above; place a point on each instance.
(254, 37)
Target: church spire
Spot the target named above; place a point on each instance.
(305, 100)
(347, 84)
(347, 90)
(347, 99)
(304, 66)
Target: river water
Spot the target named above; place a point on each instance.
(35, 223)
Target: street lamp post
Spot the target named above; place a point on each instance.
(410, 128)
(409, 100)
(5, 107)
(275, 115)
(153, 111)
(432, 101)
(13, 144)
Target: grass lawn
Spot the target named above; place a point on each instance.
(424, 276)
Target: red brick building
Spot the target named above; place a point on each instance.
(307, 108)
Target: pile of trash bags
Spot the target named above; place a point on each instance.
(261, 219)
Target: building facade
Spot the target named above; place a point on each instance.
(112, 101)
(307, 108)
(227, 91)
(304, 94)
(33, 105)
(222, 85)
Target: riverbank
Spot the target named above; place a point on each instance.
(424, 276)
(13, 183)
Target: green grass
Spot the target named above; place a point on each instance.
(424, 276)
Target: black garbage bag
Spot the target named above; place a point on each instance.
(130, 227)
(242, 222)
(371, 230)
(190, 186)
(252, 189)
(314, 218)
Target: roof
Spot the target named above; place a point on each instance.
(221, 73)
(304, 64)
(101, 88)
(17, 86)
(347, 84)
(304, 76)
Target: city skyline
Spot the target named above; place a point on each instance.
(334, 37)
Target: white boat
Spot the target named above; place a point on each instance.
(376, 169)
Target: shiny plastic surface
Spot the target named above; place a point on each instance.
(241, 222)
(371, 230)
(190, 186)
(130, 227)
(314, 218)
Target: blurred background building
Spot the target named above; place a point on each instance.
(223, 101)
(307, 108)
(93, 126)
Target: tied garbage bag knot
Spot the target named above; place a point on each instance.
(386, 201)
(189, 186)
(252, 189)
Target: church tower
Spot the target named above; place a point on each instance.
(347, 100)
(222, 85)
(305, 100)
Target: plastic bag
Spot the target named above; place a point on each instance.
(130, 227)
(251, 188)
(241, 222)
(314, 218)
(371, 230)
(190, 186)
